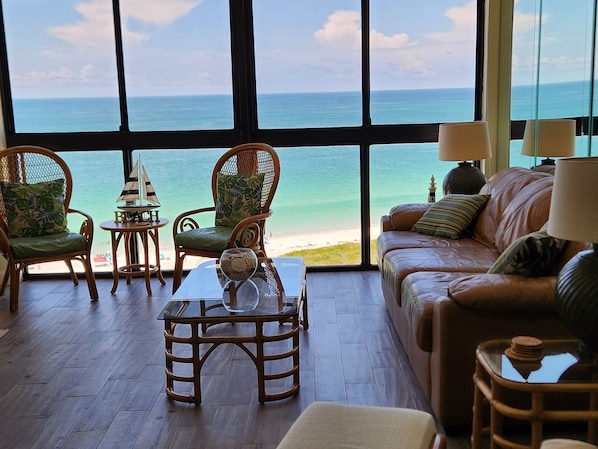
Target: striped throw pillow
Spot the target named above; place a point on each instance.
(450, 216)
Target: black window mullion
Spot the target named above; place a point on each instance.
(243, 68)
(6, 96)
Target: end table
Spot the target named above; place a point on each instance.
(146, 230)
(562, 369)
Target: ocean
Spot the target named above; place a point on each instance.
(319, 187)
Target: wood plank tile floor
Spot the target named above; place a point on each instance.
(77, 374)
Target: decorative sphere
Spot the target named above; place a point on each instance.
(240, 296)
(238, 264)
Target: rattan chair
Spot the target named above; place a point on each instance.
(22, 168)
(191, 240)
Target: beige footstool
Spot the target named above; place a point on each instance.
(561, 443)
(335, 426)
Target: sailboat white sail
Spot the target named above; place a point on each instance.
(134, 192)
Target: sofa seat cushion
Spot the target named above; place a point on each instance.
(391, 240)
(505, 293)
(419, 293)
(399, 263)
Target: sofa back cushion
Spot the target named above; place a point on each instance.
(527, 212)
(503, 187)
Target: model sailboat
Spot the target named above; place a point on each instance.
(138, 193)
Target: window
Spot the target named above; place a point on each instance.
(352, 112)
(62, 66)
(422, 61)
(308, 63)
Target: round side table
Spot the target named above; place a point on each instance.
(146, 230)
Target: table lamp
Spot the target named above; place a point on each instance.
(574, 216)
(551, 138)
(463, 142)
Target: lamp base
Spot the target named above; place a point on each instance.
(577, 298)
(465, 179)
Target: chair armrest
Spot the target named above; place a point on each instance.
(86, 227)
(504, 292)
(404, 216)
(248, 233)
(186, 221)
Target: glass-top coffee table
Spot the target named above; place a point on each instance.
(196, 316)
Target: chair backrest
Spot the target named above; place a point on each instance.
(248, 159)
(31, 164)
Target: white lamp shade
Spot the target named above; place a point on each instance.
(556, 138)
(464, 141)
(574, 204)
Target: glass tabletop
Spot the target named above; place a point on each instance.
(561, 362)
(280, 282)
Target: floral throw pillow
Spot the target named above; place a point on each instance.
(531, 255)
(237, 197)
(34, 209)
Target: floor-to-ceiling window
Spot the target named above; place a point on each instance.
(350, 93)
(552, 69)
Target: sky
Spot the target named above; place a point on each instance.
(60, 48)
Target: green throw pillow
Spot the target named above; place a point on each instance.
(531, 255)
(237, 197)
(450, 216)
(34, 209)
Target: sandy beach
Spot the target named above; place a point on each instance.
(276, 246)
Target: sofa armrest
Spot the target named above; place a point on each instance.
(403, 216)
(504, 292)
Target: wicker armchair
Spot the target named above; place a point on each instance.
(191, 240)
(36, 187)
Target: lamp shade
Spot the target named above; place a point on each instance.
(574, 204)
(463, 141)
(556, 138)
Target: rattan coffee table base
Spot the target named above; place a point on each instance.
(253, 345)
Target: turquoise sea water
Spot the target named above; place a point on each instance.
(319, 188)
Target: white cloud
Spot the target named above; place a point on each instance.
(464, 24)
(96, 26)
(87, 71)
(36, 76)
(343, 29)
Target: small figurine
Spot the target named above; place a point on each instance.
(432, 193)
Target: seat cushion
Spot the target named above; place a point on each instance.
(205, 239)
(48, 245)
(399, 263)
(391, 240)
(329, 425)
(34, 209)
(419, 293)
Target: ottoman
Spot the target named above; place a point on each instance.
(561, 443)
(334, 426)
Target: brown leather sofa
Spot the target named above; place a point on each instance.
(442, 301)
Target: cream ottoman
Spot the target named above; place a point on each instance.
(561, 443)
(335, 426)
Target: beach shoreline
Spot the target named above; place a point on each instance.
(275, 247)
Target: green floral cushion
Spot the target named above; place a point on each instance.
(450, 216)
(531, 255)
(34, 209)
(237, 197)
